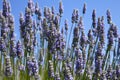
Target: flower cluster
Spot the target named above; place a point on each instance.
(48, 50)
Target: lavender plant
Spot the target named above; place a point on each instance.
(47, 50)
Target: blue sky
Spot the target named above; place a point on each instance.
(100, 5)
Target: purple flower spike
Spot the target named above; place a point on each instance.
(8, 68)
(21, 67)
(19, 51)
(2, 45)
(109, 18)
(60, 8)
(84, 8)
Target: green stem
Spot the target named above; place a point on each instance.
(94, 51)
(105, 57)
(70, 35)
(13, 68)
(1, 64)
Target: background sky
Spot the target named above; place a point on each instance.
(100, 5)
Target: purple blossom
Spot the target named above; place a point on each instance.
(69, 64)
(90, 36)
(109, 18)
(21, 67)
(118, 71)
(5, 8)
(60, 43)
(32, 66)
(4, 29)
(28, 18)
(93, 14)
(84, 8)
(53, 10)
(80, 24)
(60, 8)
(11, 22)
(110, 38)
(67, 73)
(45, 12)
(8, 68)
(19, 49)
(57, 76)
(75, 36)
(101, 31)
(56, 22)
(98, 60)
(109, 72)
(66, 25)
(38, 11)
(94, 18)
(74, 16)
(51, 69)
(12, 46)
(21, 20)
(31, 6)
(79, 64)
(77, 51)
(83, 40)
(2, 45)
(115, 32)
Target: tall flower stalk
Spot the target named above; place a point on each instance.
(48, 51)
